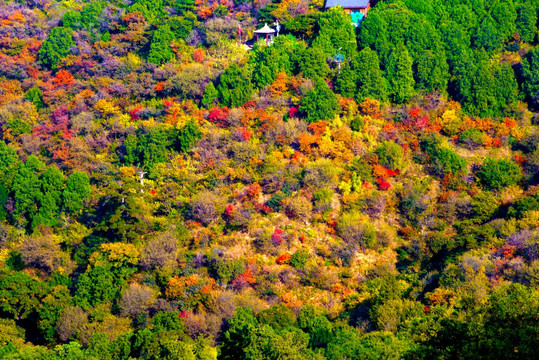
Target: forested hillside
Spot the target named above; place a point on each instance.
(171, 189)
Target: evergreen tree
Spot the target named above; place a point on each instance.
(320, 103)
(483, 101)
(371, 82)
(506, 86)
(526, 22)
(503, 12)
(400, 76)
(184, 6)
(312, 63)
(432, 71)
(76, 191)
(188, 136)
(160, 50)
(132, 156)
(210, 95)
(235, 86)
(373, 34)
(336, 31)
(27, 188)
(268, 61)
(487, 35)
(9, 163)
(34, 95)
(346, 82)
(56, 46)
(50, 198)
(530, 72)
(463, 69)
(3, 202)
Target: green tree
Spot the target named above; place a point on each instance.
(34, 95)
(505, 15)
(76, 191)
(526, 22)
(399, 75)
(20, 295)
(499, 173)
(97, 285)
(26, 189)
(336, 31)
(184, 6)
(160, 50)
(238, 336)
(210, 95)
(152, 148)
(235, 86)
(131, 156)
(371, 81)
(188, 136)
(447, 161)
(373, 34)
(9, 163)
(488, 35)
(56, 46)
(511, 323)
(151, 9)
(320, 103)
(530, 72)
(346, 82)
(482, 99)
(4, 197)
(268, 61)
(52, 305)
(312, 63)
(506, 86)
(390, 155)
(50, 199)
(432, 71)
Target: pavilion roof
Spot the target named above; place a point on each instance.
(265, 30)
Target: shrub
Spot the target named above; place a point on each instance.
(322, 173)
(323, 199)
(357, 123)
(299, 259)
(497, 174)
(206, 207)
(390, 155)
(521, 205)
(299, 208)
(472, 138)
(447, 161)
(484, 205)
(136, 299)
(159, 252)
(355, 229)
(42, 252)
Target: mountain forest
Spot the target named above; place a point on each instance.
(173, 186)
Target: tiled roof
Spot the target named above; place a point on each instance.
(347, 3)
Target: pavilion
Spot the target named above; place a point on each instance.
(267, 31)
